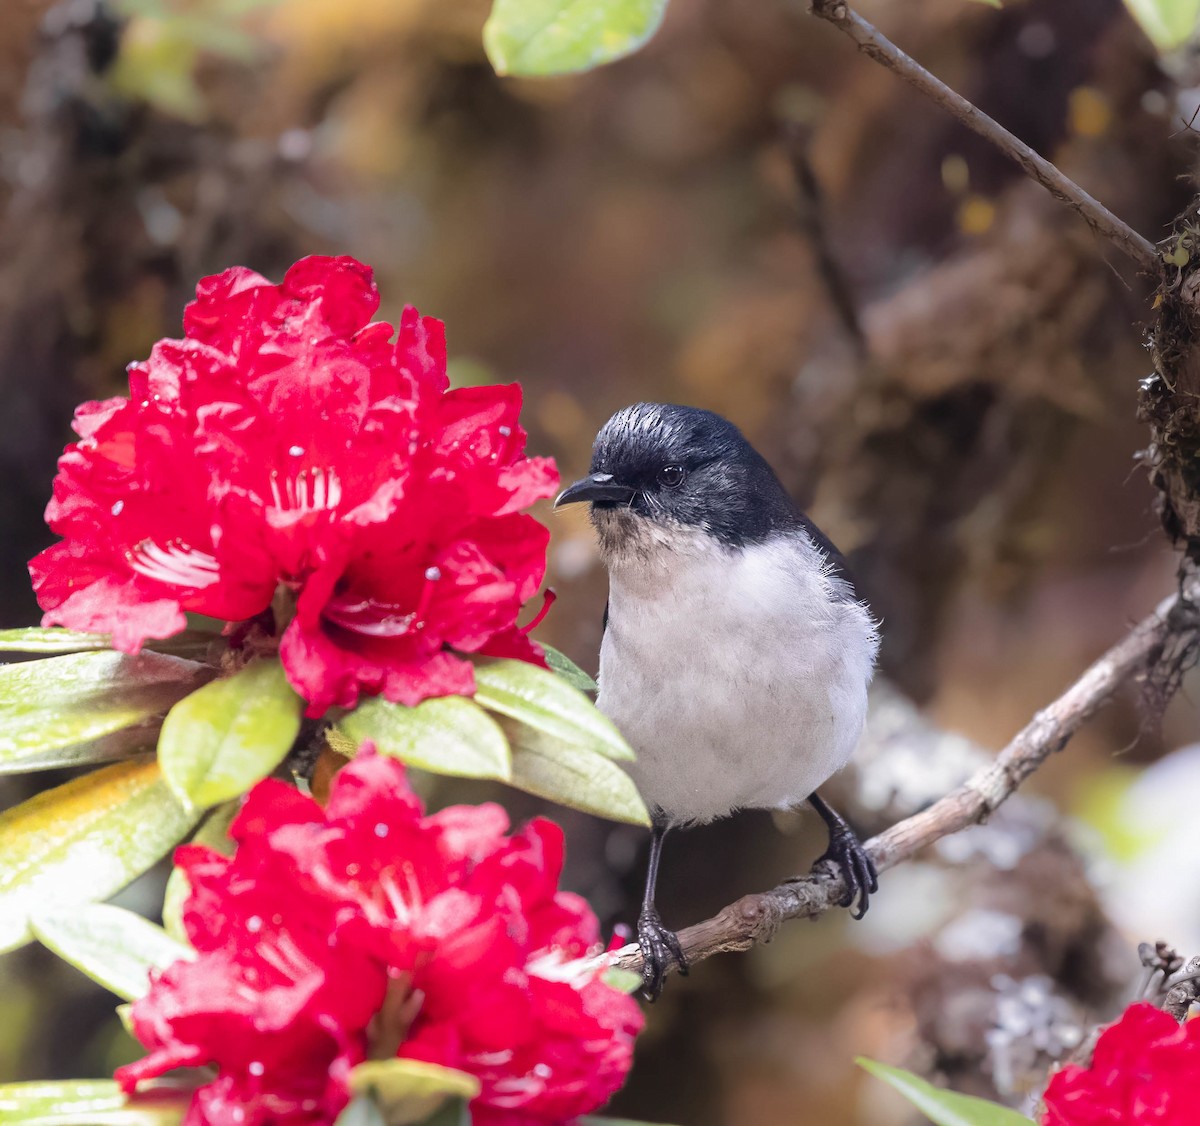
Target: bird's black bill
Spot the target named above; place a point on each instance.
(599, 488)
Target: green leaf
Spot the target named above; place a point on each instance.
(945, 1108)
(83, 841)
(52, 639)
(213, 832)
(410, 1090)
(111, 945)
(453, 1112)
(568, 669)
(362, 1111)
(543, 37)
(87, 707)
(192, 642)
(1168, 24)
(125, 1016)
(195, 644)
(572, 776)
(592, 1120)
(539, 699)
(624, 981)
(447, 735)
(202, 623)
(90, 1102)
(219, 741)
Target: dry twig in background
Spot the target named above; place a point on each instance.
(878, 47)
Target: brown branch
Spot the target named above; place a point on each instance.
(756, 918)
(1094, 213)
(810, 201)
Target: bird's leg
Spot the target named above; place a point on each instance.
(659, 945)
(847, 854)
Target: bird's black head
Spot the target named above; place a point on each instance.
(683, 466)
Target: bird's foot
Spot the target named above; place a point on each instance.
(854, 864)
(660, 947)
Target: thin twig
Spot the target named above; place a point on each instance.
(756, 918)
(872, 43)
(1183, 991)
(811, 206)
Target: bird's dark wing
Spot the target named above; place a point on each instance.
(840, 568)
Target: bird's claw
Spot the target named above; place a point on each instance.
(660, 947)
(854, 864)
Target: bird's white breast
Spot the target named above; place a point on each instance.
(739, 676)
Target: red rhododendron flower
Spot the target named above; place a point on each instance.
(1146, 1069)
(290, 441)
(299, 934)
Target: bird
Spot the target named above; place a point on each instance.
(736, 654)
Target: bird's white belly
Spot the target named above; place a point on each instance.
(736, 677)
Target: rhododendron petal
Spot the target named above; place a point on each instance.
(327, 674)
(479, 424)
(1145, 1069)
(287, 441)
(373, 791)
(421, 350)
(516, 645)
(121, 609)
(271, 805)
(90, 416)
(342, 288)
(527, 481)
(469, 830)
(300, 932)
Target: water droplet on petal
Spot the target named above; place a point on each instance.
(433, 574)
(116, 508)
(296, 451)
(256, 1068)
(381, 830)
(254, 924)
(505, 432)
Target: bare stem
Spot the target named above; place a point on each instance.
(1094, 213)
(756, 918)
(811, 206)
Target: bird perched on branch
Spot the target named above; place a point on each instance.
(736, 654)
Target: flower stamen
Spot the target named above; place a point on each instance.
(432, 577)
(312, 490)
(549, 597)
(378, 619)
(177, 564)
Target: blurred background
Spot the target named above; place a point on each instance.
(940, 360)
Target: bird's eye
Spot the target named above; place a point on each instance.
(671, 476)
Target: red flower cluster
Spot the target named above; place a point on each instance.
(287, 439)
(299, 933)
(1146, 1069)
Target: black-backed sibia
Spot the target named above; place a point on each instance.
(736, 654)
